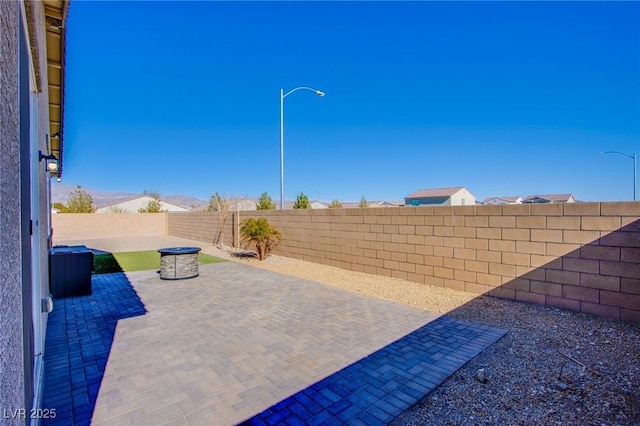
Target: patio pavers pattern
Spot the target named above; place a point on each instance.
(80, 332)
(380, 387)
(241, 343)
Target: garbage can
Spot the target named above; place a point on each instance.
(70, 271)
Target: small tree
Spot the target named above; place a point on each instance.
(117, 209)
(302, 202)
(260, 234)
(265, 202)
(335, 204)
(221, 205)
(363, 202)
(154, 205)
(60, 207)
(79, 201)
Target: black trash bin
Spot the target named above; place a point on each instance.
(70, 271)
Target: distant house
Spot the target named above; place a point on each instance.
(502, 200)
(375, 204)
(235, 204)
(318, 205)
(134, 204)
(457, 196)
(549, 198)
(242, 204)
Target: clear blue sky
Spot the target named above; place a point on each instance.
(505, 98)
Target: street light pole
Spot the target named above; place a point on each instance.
(281, 149)
(282, 96)
(633, 157)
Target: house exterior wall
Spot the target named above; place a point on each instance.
(462, 198)
(24, 123)
(41, 215)
(501, 201)
(11, 338)
(428, 201)
(243, 205)
(582, 257)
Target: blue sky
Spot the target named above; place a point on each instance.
(505, 98)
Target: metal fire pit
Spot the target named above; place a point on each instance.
(178, 263)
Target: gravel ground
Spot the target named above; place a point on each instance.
(529, 376)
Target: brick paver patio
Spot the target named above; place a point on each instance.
(242, 344)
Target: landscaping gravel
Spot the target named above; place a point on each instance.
(553, 367)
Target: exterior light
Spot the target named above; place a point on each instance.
(282, 96)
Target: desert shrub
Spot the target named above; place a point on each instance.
(260, 234)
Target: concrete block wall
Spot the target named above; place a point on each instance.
(203, 226)
(582, 257)
(70, 226)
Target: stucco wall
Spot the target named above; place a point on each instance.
(457, 198)
(71, 226)
(582, 257)
(11, 357)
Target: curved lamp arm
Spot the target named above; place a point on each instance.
(633, 157)
(618, 152)
(317, 92)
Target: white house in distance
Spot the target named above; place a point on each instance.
(235, 204)
(502, 200)
(318, 205)
(134, 204)
(456, 196)
(549, 198)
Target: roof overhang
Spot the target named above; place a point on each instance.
(55, 21)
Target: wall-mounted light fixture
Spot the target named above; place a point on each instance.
(51, 162)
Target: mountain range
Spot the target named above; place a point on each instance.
(60, 194)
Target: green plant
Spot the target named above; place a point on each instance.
(265, 202)
(117, 209)
(363, 202)
(154, 205)
(260, 234)
(79, 201)
(335, 204)
(136, 261)
(60, 207)
(302, 202)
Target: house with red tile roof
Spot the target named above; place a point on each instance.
(455, 196)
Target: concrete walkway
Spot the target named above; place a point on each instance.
(242, 344)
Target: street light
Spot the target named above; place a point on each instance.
(633, 157)
(282, 96)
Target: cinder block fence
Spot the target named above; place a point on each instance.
(582, 257)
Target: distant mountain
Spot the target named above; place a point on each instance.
(60, 194)
(184, 201)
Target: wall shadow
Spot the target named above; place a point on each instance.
(80, 334)
(601, 278)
